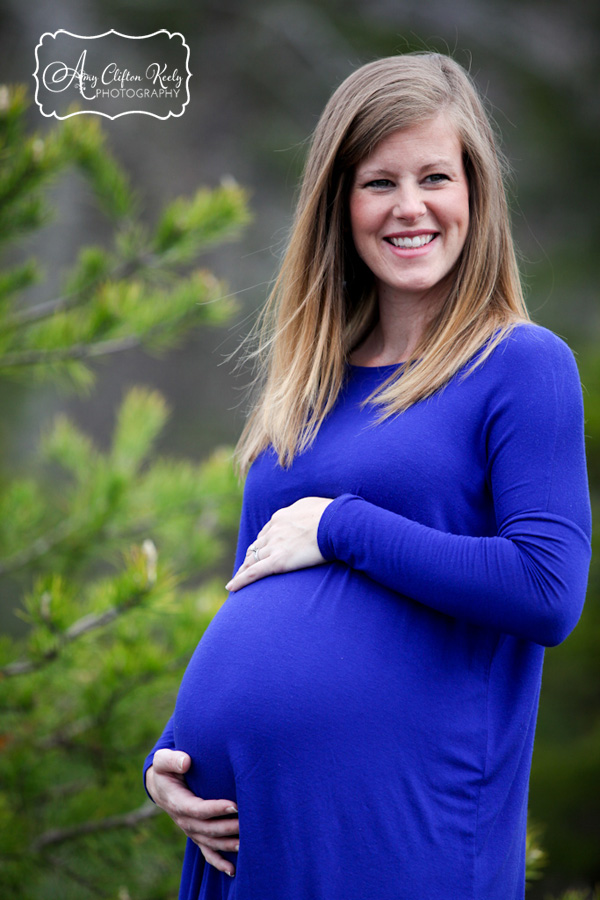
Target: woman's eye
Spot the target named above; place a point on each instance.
(379, 183)
(436, 178)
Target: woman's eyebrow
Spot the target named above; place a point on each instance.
(434, 163)
(373, 170)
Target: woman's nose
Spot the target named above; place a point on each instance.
(408, 203)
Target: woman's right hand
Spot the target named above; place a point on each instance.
(201, 820)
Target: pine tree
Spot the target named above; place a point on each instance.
(114, 553)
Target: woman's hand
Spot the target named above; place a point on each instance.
(201, 820)
(287, 542)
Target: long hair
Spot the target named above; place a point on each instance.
(323, 302)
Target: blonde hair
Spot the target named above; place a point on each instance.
(323, 303)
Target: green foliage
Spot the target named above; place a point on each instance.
(80, 708)
(27, 164)
(84, 144)
(131, 293)
(204, 220)
(536, 859)
(115, 551)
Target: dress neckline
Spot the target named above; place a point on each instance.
(382, 368)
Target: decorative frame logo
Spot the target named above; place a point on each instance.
(107, 74)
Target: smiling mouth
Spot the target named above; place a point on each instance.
(419, 240)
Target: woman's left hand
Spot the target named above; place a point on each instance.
(287, 542)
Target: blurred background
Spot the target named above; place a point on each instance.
(262, 72)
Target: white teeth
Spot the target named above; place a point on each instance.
(418, 241)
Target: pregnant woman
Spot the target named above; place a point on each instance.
(357, 722)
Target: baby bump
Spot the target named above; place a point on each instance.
(254, 679)
(303, 666)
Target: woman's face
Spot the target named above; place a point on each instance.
(409, 209)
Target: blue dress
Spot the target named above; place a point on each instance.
(373, 717)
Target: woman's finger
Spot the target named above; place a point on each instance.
(171, 762)
(215, 838)
(261, 554)
(221, 845)
(211, 809)
(211, 829)
(213, 859)
(253, 554)
(247, 573)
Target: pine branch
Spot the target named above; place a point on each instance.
(77, 629)
(59, 304)
(77, 351)
(40, 547)
(43, 310)
(126, 820)
(67, 302)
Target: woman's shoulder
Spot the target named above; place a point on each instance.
(526, 361)
(527, 341)
(529, 367)
(530, 353)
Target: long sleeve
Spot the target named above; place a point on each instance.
(529, 579)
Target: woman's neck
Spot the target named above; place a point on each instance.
(397, 332)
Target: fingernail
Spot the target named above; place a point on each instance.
(227, 585)
(231, 809)
(231, 874)
(237, 847)
(180, 762)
